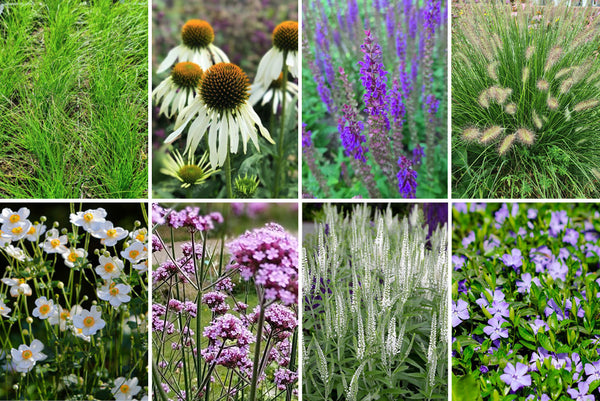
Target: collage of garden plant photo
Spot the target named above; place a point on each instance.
(346, 200)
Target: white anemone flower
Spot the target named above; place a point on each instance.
(108, 234)
(135, 252)
(16, 231)
(114, 293)
(140, 235)
(197, 37)
(88, 218)
(17, 286)
(61, 317)
(125, 389)
(221, 109)
(16, 253)
(10, 217)
(109, 268)
(273, 93)
(72, 255)
(179, 89)
(44, 308)
(55, 243)
(90, 322)
(4, 310)
(285, 44)
(25, 357)
(141, 267)
(35, 231)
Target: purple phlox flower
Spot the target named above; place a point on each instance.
(558, 222)
(407, 178)
(582, 393)
(460, 312)
(469, 239)
(525, 285)
(499, 308)
(483, 369)
(491, 243)
(564, 254)
(458, 261)
(351, 135)
(557, 269)
(540, 257)
(591, 250)
(494, 329)
(539, 324)
(462, 287)
(514, 259)
(590, 234)
(577, 365)
(592, 370)
(553, 307)
(521, 232)
(516, 376)
(497, 296)
(503, 213)
(532, 214)
(460, 207)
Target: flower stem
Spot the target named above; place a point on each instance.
(228, 175)
(280, 155)
(255, 371)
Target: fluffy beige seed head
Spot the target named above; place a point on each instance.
(471, 134)
(566, 85)
(492, 70)
(525, 74)
(596, 173)
(484, 99)
(506, 144)
(490, 134)
(552, 103)
(563, 72)
(511, 109)
(586, 105)
(543, 85)
(529, 52)
(537, 120)
(581, 71)
(503, 95)
(553, 58)
(525, 136)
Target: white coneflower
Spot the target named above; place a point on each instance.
(553, 58)
(285, 44)
(179, 89)
(273, 93)
(552, 103)
(529, 52)
(188, 171)
(566, 85)
(537, 120)
(586, 105)
(543, 85)
(197, 37)
(471, 134)
(525, 136)
(221, 109)
(511, 109)
(490, 134)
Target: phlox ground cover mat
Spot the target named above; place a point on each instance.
(525, 101)
(73, 302)
(526, 290)
(224, 317)
(375, 293)
(73, 99)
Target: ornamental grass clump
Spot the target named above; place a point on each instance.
(375, 307)
(526, 290)
(73, 304)
(375, 91)
(224, 318)
(528, 71)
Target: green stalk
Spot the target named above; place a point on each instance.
(280, 154)
(228, 175)
(255, 373)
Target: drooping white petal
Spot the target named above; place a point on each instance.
(197, 131)
(234, 135)
(257, 121)
(223, 134)
(212, 144)
(220, 56)
(169, 60)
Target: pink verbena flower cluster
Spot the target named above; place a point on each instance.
(269, 255)
(216, 302)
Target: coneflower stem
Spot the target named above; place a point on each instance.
(228, 175)
(255, 372)
(280, 163)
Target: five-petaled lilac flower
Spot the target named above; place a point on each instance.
(525, 285)
(532, 214)
(582, 394)
(495, 330)
(571, 237)
(469, 239)
(593, 372)
(514, 259)
(460, 312)
(516, 376)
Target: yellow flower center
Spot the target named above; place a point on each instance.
(55, 242)
(197, 33)
(31, 230)
(17, 230)
(64, 315)
(88, 321)
(44, 309)
(124, 389)
(186, 74)
(109, 267)
(224, 87)
(140, 237)
(21, 281)
(14, 218)
(27, 354)
(88, 217)
(114, 291)
(134, 254)
(73, 257)
(285, 36)
(111, 232)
